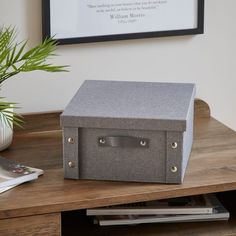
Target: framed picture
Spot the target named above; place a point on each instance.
(78, 21)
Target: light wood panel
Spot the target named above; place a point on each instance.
(201, 109)
(48, 224)
(212, 168)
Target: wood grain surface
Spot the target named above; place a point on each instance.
(212, 168)
(201, 109)
(48, 224)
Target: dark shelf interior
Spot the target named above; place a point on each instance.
(77, 223)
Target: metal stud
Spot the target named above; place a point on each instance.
(174, 145)
(102, 141)
(71, 164)
(174, 169)
(143, 143)
(70, 140)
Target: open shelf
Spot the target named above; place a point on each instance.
(77, 223)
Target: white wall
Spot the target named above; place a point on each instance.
(208, 60)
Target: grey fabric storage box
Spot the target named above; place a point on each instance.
(128, 131)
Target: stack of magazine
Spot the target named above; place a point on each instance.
(183, 209)
(13, 174)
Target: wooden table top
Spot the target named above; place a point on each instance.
(212, 168)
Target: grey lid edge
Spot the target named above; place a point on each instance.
(123, 123)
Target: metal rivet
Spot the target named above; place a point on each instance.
(71, 164)
(70, 140)
(174, 169)
(174, 145)
(143, 143)
(102, 141)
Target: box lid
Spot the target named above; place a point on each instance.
(130, 105)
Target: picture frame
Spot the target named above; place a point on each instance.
(89, 21)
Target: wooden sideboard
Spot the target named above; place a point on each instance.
(51, 204)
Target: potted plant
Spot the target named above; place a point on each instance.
(15, 59)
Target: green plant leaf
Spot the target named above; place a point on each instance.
(20, 51)
(8, 116)
(14, 59)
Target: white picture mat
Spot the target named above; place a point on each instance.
(78, 18)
